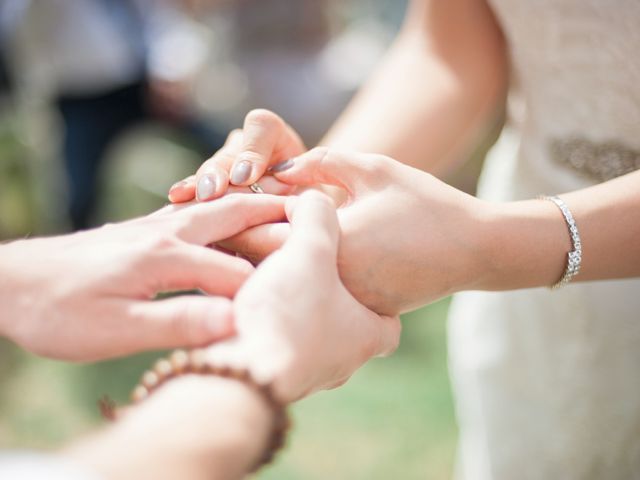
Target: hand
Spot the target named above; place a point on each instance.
(264, 141)
(407, 238)
(88, 295)
(297, 324)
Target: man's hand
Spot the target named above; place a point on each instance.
(407, 238)
(89, 295)
(297, 324)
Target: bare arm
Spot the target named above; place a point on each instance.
(439, 86)
(440, 83)
(193, 428)
(529, 239)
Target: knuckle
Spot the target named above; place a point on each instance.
(162, 243)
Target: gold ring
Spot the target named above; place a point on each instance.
(256, 188)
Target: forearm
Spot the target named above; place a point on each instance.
(528, 241)
(440, 84)
(192, 428)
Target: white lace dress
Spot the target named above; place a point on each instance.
(548, 382)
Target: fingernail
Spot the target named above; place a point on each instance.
(179, 184)
(282, 166)
(241, 172)
(206, 188)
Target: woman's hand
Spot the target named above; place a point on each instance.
(407, 238)
(265, 140)
(296, 322)
(89, 295)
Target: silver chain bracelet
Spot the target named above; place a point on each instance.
(574, 257)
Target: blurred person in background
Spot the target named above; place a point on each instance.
(106, 65)
(545, 380)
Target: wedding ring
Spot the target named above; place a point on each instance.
(256, 188)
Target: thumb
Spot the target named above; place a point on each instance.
(183, 321)
(354, 172)
(267, 139)
(314, 223)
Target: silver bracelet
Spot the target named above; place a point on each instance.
(574, 258)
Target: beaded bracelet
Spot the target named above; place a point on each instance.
(181, 362)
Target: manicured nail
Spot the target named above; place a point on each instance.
(206, 188)
(282, 166)
(241, 172)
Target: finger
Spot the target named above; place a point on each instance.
(212, 178)
(268, 184)
(314, 223)
(259, 242)
(183, 191)
(321, 165)
(185, 321)
(210, 222)
(267, 140)
(189, 267)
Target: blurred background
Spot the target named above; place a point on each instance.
(105, 103)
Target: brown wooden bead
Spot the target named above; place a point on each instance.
(139, 393)
(150, 379)
(197, 361)
(179, 361)
(163, 369)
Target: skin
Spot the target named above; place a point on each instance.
(89, 295)
(280, 330)
(439, 86)
(445, 74)
(301, 343)
(452, 241)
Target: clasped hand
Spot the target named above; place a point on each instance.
(407, 238)
(90, 295)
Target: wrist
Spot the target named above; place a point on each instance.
(524, 245)
(207, 426)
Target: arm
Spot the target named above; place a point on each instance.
(409, 239)
(438, 86)
(193, 428)
(609, 225)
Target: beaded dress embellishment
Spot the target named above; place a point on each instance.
(598, 161)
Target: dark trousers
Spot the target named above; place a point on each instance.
(91, 123)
